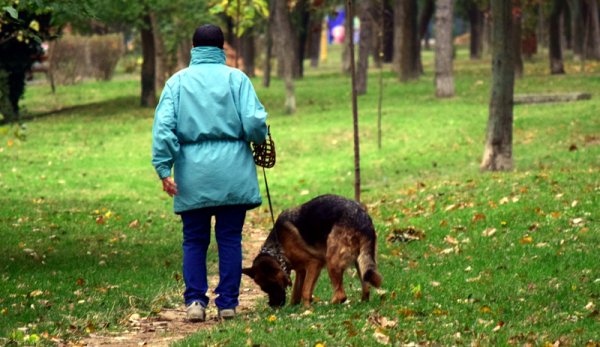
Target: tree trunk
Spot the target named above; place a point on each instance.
(577, 27)
(497, 154)
(555, 49)
(184, 53)
(350, 12)
(160, 54)
(148, 77)
(269, 44)
(541, 28)
(476, 20)
(388, 32)
(422, 33)
(248, 53)
(314, 39)
(424, 19)
(592, 47)
(364, 48)
(487, 33)
(444, 79)
(284, 42)
(303, 15)
(348, 40)
(518, 29)
(406, 40)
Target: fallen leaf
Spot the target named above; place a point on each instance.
(406, 235)
(488, 232)
(134, 224)
(572, 147)
(451, 240)
(477, 217)
(498, 326)
(381, 337)
(474, 279)
(485, 309)
(35, 293)
(526, 240)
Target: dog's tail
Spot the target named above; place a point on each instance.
(367, 265)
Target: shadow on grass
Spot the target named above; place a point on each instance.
(95, 109)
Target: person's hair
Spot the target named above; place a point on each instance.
(208, 35)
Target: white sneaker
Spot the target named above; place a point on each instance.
(226, 313)
(196, 312)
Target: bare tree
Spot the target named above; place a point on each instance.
(444, 79)
(497, 155)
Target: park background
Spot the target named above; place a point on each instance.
(91, 249)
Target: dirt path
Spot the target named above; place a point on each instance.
(171, 325)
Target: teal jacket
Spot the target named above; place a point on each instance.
(205, 120)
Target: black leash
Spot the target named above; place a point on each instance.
(269, 197)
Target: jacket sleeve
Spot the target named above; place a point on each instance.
(165, 144)
(252, 113)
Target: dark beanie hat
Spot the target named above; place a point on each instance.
(208, 35)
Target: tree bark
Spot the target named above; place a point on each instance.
(269, 44)
(366, 9)
(303, 15)
(314, 39)
(348, 40)
(357, 182)
(388, 32)
(286, 50)
(476, 20)
(184, 49)
(406, 40)
(592, 47)
(424, 19)
(577, 27)
(248, 52)
(162, 72)
(555, 49)
(444, 79)
(497, 154)
(148, 74)
(518, 30)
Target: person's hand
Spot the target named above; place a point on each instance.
(169, 186)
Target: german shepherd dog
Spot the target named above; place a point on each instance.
(328, 230)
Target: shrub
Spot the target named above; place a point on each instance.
(105, 51)
(73, 58)
(67, 59)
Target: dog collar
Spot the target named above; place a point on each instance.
(281, 259)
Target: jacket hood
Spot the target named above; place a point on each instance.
(207, 55)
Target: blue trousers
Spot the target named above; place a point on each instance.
(196, 238)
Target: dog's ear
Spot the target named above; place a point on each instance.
(249, 271)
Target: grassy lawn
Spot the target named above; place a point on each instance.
(498, 258)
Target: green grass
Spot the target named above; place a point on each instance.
(89, 237)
